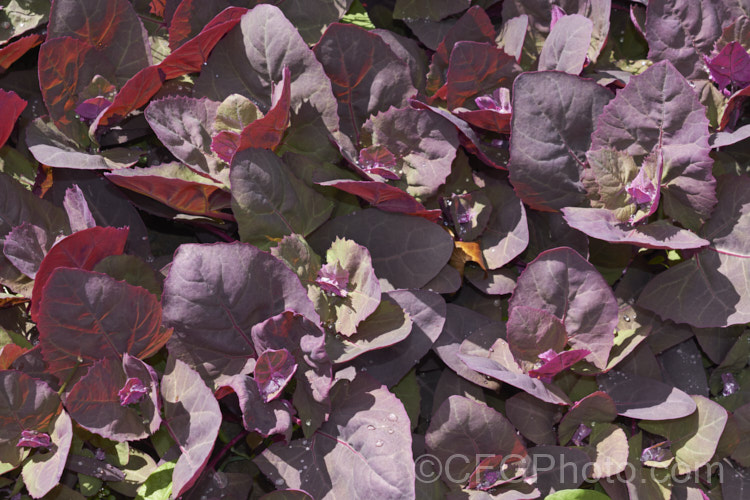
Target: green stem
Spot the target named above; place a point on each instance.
(70, 376)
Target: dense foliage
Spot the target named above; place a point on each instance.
(388, 249)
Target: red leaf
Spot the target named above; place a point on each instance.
(189, 58)
(184, 195)
(487, 119)
(90, 316)
(273, 371)
(8, 354)
(476, 69)
(265, 132)
(12, 106)
(14, 50)
(63, 72)
(384, 196)
(554, 363)
(82, 250)
(156, 7)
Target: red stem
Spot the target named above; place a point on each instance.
(236, 439)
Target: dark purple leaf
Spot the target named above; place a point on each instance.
(406, 251)
(427, 312)
(594, 408)
(680, 31)
(476, 69)
(460, 323)
(474, 26)
(471, 430)
(183, 125)
(366, 75)
(563, 283)
(648, 399)
(731, 66)
(567, 45)
(29, 406)
(90, 108)
(192, 417)
(249, 59)
(77, 208)
(265, 417)
(25, 247)
(534, 331)
(410, 51)
(213, 307)
(269, 201)
(603, 224)
(553, 117)
(581, 434)
(423, 145)
(658, 109)
(513, 375)
(507, 233)
(559, 468)
(117, 399)
(682, 367)
(86, 316)
(709, 289)
(368, 427)
(533, 418)
(81, 250)
(432, 10)
(273, 371)
(377, 160)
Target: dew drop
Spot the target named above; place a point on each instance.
(392, 417)
(491, 349)
(304, 442)
(363, 369)
(496, 302)
(379, 443)
(308, 422)
(370, 427)
(390, 431)
(279, 482)
(626, 318)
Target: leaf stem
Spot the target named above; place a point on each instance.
(227, 447)
(70, 376)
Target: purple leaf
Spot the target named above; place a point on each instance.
(731, 66)
(184, 126)
(132, 392)
(384, 197)
(709, 289)
(90, 108)
(680, 31)
(406, 251)
(29, 410)
(460, 323)
(258, 415)
(432, 10)
(427, 312)
(533, 418)
(595, 408)
(368, 427)
(472, 430)
(366, 75)
(34, 439)
(554, 363)
(86, 316)
(213, 307)
(77, 208)
(476, 69)
(642, 398)
(269, 201)
(377, 160)
(512, 374)
(553, 118)
(603, 224)
(314, 108)
(563, 283)
(580, 434)
(423, 145)
(333, 279)
(192, 417)
(100, 401)
(273, 371)
(534, 331)
(498, 101)
(567, 45)
(659, 110)
(25, 247)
